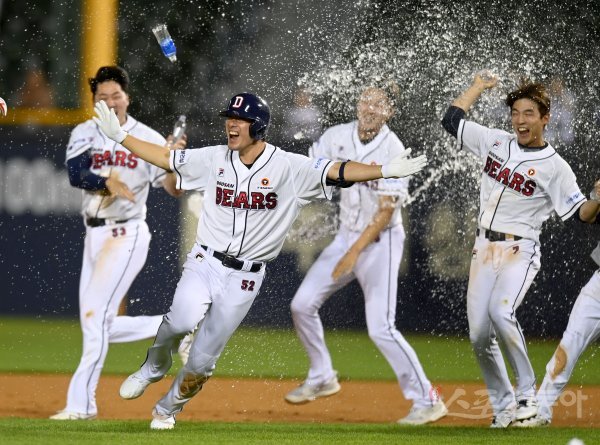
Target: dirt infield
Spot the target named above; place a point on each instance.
(255, 400)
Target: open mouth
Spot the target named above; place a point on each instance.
(523, 132)
(233, 135)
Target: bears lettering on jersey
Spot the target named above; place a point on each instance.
(503, 176)
(225, 197)
(118, 159)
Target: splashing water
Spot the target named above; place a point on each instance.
(431, 50)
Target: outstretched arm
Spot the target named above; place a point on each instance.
(109, 123)
(399, 167)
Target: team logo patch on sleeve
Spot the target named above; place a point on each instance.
(575, 197)
(318, 163)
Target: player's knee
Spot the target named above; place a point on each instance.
(479, 338)
(201, 364)
(379, 334)
(182, 326)
(503, 320)
(301, 306)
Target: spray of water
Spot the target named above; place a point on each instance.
(432, 50)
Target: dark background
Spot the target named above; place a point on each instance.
(429, 49)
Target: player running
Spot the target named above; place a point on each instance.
(114, 184)
(368, 247)
(582, 330)
(523, 181)
(253, 192)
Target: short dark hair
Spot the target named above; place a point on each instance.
(532, 91)
(105, 73)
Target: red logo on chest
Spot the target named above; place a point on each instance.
(256, 200)
(503, 176)
(117, 159)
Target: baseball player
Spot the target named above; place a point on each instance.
(368, 247)
(583, 329)
(523, 181)
(253, 192)
(114, 183)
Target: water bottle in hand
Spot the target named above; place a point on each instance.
(487, 75)
(165, 41)
(179, 129)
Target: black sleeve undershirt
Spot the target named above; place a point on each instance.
(80, 175)
(452, 119)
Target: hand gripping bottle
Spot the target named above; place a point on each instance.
(179, 128)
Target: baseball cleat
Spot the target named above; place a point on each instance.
(70, 415)
(532, 422)
(505, 417)
(526, 408)
(421, 416)
(162, 422)
(134, 386)
(307, 393)
(184, 348)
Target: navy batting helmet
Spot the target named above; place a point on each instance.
(250, 107)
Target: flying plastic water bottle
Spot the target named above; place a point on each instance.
(179, 128)
(165, 41)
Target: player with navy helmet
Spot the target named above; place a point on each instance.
(253, 193)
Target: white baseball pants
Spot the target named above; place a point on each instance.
(583, 328)
(111, 261)
(377, 272)
(216, 298)
(501, 273)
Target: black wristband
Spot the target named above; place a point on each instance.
(341, 174)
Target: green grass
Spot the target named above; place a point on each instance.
(50, 345)
(54, 346)
(101, 432)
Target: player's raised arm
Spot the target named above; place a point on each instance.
(108, 122)
(399, 167)
(462, 103)
(471, 94)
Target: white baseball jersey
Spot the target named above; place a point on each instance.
(110, 156)
(249, 211)
(113, 255)
(359, 203)
(519, 189)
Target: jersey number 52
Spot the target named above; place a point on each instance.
(247, 285)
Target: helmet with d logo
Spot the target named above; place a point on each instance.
(252, 108)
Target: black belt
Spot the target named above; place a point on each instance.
(233, 262)
(499, 236)
(98, 222)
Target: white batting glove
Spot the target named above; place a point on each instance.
(401, 166)
(108, 122)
